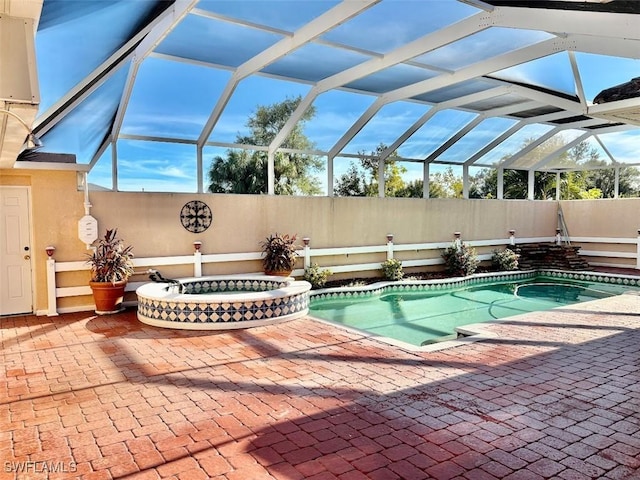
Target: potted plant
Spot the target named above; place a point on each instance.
(280, 252)
(111, 267)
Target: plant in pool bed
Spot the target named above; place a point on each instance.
(316, 276)
(280, 252)
(392, 269)
(460, 259)
(505, 259)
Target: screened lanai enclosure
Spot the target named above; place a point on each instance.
(146, 94)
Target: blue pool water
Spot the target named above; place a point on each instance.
(421, 317)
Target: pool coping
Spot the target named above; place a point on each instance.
(466, 333)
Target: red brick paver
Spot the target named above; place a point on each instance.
(552, 395)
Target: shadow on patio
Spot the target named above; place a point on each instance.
(555, 396)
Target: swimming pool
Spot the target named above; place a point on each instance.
(420, 316)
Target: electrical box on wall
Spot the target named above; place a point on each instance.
(88, 230)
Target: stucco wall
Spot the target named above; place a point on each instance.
(602, 218)
(151, 222)
(56, 206)
(608, 218)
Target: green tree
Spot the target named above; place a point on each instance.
(604, 180)
(361, 179)
(351, 184)
(446, 184)
(484, 184)
(245, 171)
(415, 189)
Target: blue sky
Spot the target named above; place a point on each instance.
(174, 99)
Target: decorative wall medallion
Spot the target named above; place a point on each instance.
(196, 216)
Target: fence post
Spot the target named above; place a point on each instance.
(389, 246)
(307, 252)
(638, 255)
(52, 310)
(558, 237)
(512, 238)
(457, 239)
(197, 259)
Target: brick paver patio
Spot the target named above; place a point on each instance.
(553, 395)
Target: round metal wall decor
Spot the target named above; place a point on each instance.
(196, 216)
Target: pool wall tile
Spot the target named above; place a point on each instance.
(477, 279)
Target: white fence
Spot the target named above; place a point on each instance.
(309, 254)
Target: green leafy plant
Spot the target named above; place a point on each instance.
(316, 276)
(460, 259)
(280, 252)
(111, 259)
(392, 269)
(505, 259)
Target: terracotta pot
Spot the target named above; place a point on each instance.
(278, 273)
(108, 296)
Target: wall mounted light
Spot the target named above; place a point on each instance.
(32, 142)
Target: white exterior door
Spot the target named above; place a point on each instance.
(16, 294)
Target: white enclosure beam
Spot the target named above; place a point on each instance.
(271, 184)
(578, 79)
(605, 149)
(615, 47)
(409, 132)
(597, 24)
(239, 21)
(101, 149)
(330, 176)
(485, 67)
(316, 27)
(496, 112)
(613, 128)
(479, 4)
(558, 184)
(404, 53)
(454, 138)
(536, 143)
(167, 22)
(357, 126)
(465, 181)
(531, 185)
(544, 161)
(425, 180)
(83, 89)
(512, 131)
(199, 169)
(476, 70)
(549, 99)
(381, 179)
(337, 15)
(455, 102)
(500, 186)
(114, 166)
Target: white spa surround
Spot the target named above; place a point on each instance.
(208, 304)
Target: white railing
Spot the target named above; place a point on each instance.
(610, 253)
(197, 260)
